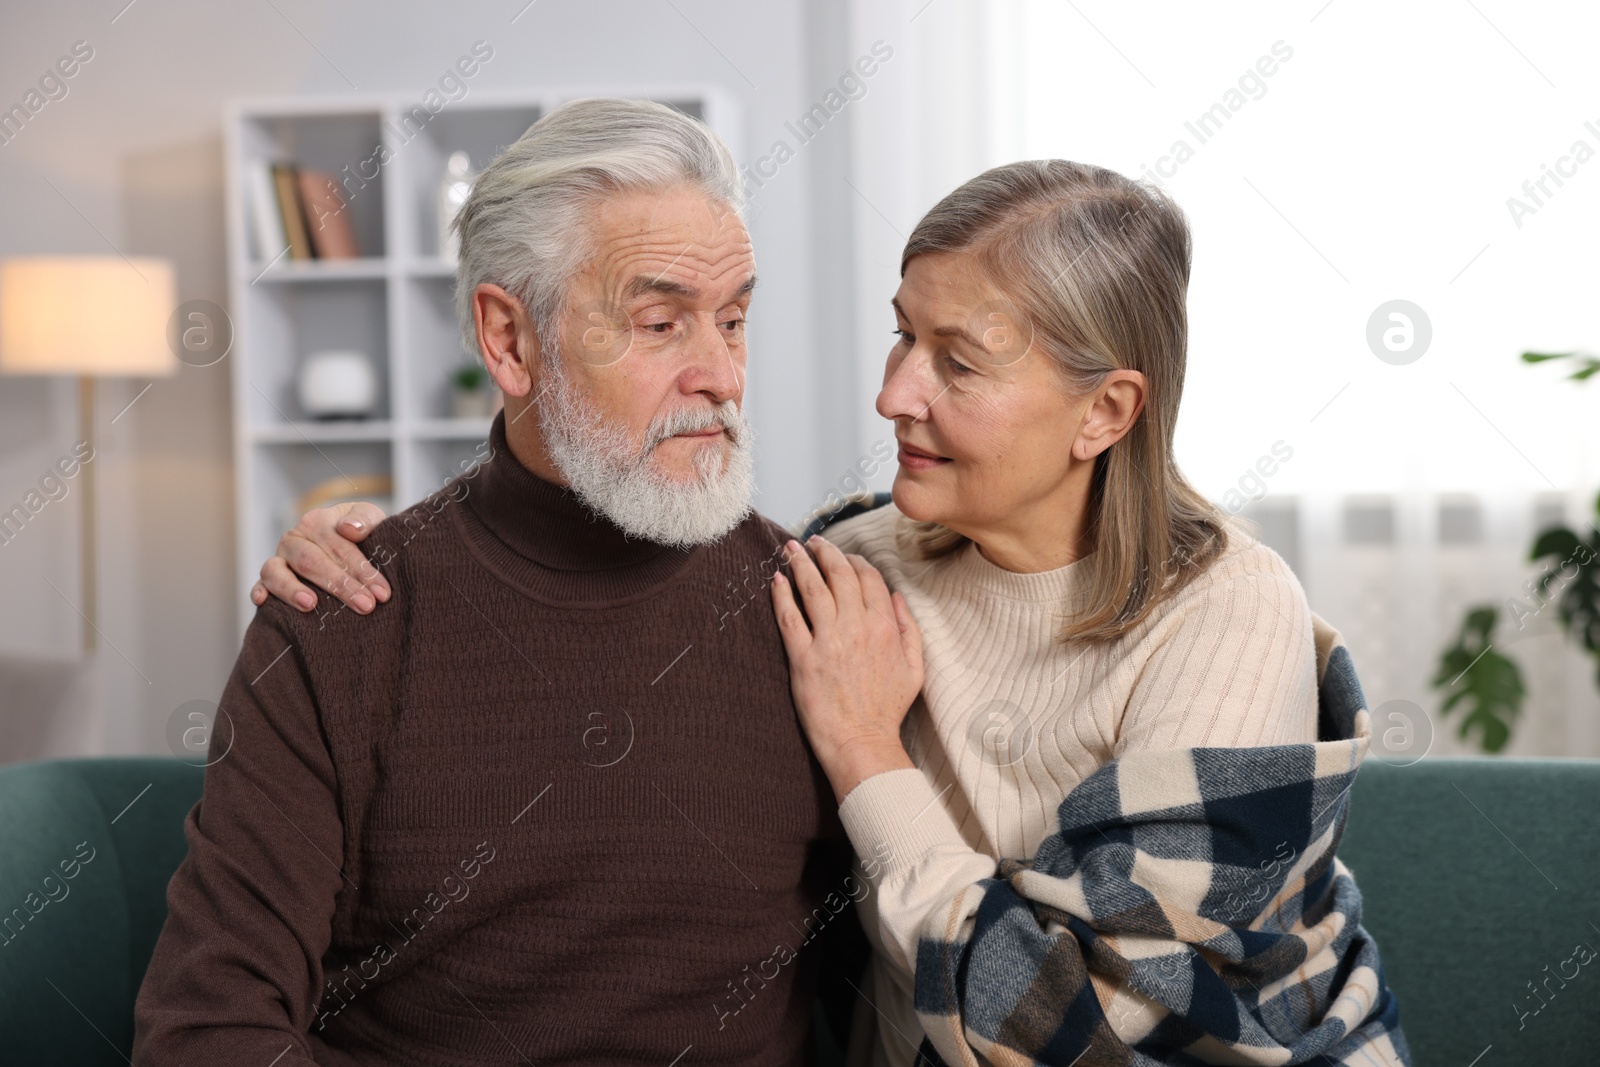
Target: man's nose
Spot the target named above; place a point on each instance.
(714, 367)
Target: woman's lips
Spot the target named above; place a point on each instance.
(917, 459)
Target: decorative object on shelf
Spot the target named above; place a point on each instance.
(454, 188)
(338, 384)
(326, 220)
(93, 316)
(470, 394)
(1490, 683)
(377, 488)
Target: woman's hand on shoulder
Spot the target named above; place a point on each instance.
(321, 548)
(855, 669)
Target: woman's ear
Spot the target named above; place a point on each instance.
(507, 339)
(1111, 413)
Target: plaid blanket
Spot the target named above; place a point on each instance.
(1190, 909)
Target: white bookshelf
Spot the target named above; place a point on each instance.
(396, 303)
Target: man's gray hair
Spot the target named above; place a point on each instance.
(525, 226)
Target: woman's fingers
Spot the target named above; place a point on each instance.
(335, 565)
(353, 522)
(359, 517)
(320, 550)
(819, 598)
(279, 581)
(842, 577)
(874, 591)
(791, 623)
(359, 520)
(878, 601)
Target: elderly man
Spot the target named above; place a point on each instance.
(551, 804)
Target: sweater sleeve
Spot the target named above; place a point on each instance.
(912, 854)
(237, 972)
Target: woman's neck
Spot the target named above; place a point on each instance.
(1020, 558)
(1041, 537)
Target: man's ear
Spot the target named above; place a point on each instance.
(507, 339)
(1111, 412)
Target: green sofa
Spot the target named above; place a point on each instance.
(1480, 876)
(69, 974)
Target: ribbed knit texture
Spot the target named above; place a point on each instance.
(1011, 718)
(550, 804)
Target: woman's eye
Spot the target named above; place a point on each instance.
(957, 367)
(905, 336)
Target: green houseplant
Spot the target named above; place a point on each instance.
(469, 392)
(1482, 682)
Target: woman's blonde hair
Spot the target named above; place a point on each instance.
(1098, 267)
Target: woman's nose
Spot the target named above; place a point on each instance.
(907, 390)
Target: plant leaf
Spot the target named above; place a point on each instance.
(1475, 676)
(1589, 365)
(1557, 541)
(1575, 573)
(1590, 368)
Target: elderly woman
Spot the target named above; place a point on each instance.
(1092, 729)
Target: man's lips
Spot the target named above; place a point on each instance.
(712, 431)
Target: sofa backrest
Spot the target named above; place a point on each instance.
(1481, 879)
(86, 850)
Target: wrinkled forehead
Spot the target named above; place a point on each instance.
(943, 288)
(680, 236)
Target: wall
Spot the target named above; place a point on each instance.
(130, 160)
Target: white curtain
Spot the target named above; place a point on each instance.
(1331, 161)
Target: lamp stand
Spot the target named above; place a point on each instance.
(90, 583)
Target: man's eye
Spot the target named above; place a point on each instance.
(732, 325)
(658, 327)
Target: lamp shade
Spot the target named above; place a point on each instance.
(86, 315)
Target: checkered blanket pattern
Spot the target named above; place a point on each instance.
(1189, 910)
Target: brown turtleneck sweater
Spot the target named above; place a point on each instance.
(549, 805)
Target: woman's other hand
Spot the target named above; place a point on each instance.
(321, 548)
(857, 667)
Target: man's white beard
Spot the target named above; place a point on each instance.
(620, 479)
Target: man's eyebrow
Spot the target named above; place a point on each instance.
(644, 284)
(940, 331)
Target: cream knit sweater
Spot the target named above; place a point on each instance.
(1011, 719)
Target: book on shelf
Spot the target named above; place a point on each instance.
(323, 205)
(266, 221)
(294, 222)
(301, 209)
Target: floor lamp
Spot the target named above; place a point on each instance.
(94, 317)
